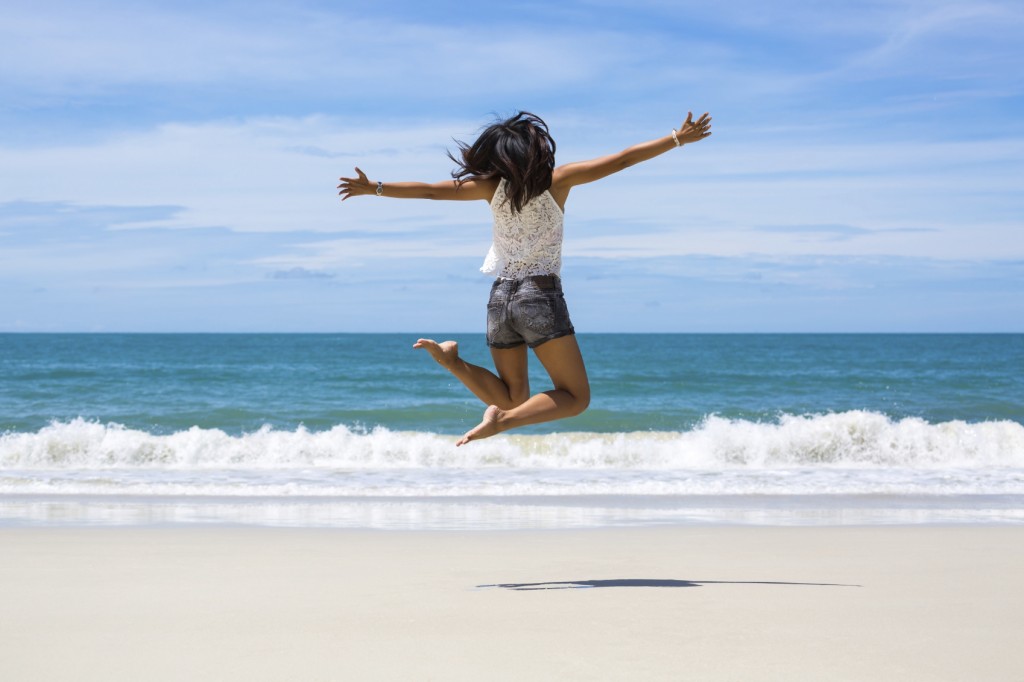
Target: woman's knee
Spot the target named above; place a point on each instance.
(518, 395)
(581, 400)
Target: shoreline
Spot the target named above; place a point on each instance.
(511, 512)
(652, 603)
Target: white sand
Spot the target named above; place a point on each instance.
(694, 603)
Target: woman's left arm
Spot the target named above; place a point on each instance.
(582, 172)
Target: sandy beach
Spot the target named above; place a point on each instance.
(670, 603)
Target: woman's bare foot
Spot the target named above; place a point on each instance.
(486, 428)
(446, 353)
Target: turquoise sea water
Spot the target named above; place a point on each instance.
(346, 429)
(238, 383)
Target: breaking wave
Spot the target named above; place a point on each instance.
(847, 439)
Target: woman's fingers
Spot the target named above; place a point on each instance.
(350, 186)
(696, 130)
(704, 124)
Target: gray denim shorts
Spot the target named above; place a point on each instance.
(530, 311)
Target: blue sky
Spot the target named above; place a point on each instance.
(172, 166)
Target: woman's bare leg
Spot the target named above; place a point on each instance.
(511, 387)
(563, 361)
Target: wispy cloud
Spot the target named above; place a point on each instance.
(836, 232)
(299, 273)
(926, 198)
(796, 294)
(304, 48)
(925, 29)
(25, 216)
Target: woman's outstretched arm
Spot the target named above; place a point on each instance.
(579, 173)
(449, 190)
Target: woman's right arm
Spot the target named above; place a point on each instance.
(449, 190)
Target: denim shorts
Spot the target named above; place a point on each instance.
(530, 311)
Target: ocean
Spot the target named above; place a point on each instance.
(358, 431)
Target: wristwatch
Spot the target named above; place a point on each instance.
(380, 188)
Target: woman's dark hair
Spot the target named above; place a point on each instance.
(519, 149)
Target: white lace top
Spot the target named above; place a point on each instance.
(525, 243)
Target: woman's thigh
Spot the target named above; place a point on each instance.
(511, 364)
(563, 361)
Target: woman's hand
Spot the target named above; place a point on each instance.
(353, 187)
(694, 131)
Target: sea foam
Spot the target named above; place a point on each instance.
(847, 439)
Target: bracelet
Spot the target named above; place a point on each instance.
(380, 188)
(675, 138)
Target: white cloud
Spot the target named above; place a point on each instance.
(257, 176)
(985, 20)
(72, 47)
(244, 175)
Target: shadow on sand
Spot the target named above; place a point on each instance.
(645, 582)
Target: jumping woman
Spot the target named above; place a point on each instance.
(512, 167)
